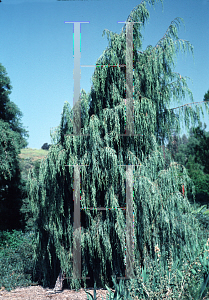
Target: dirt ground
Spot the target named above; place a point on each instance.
(40, 293)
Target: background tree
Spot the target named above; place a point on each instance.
(192, 153)
(12, 139)
(198, 163)
(206, 96)
(162, 214)
(202, 148)
(26, 165)
(9, 112)
(45, 146)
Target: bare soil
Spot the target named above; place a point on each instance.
(40, 293)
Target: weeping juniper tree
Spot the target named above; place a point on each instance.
(162, 213)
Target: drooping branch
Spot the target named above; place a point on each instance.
(188, 104)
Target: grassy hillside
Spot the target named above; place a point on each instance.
(31, 158)
(33, 154)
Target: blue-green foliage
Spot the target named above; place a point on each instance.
(162, 214)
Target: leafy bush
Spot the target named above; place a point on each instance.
(182, 279)
(16, 259)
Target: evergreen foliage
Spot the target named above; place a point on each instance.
(162, 214)
(12, 139)
(26, 165)
(9, 112)
(202, 148)
(193, 154)
(16, 259)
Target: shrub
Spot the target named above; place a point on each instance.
(16, 259)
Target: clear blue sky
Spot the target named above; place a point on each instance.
(36, 48)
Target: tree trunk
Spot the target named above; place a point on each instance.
(59, 282)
